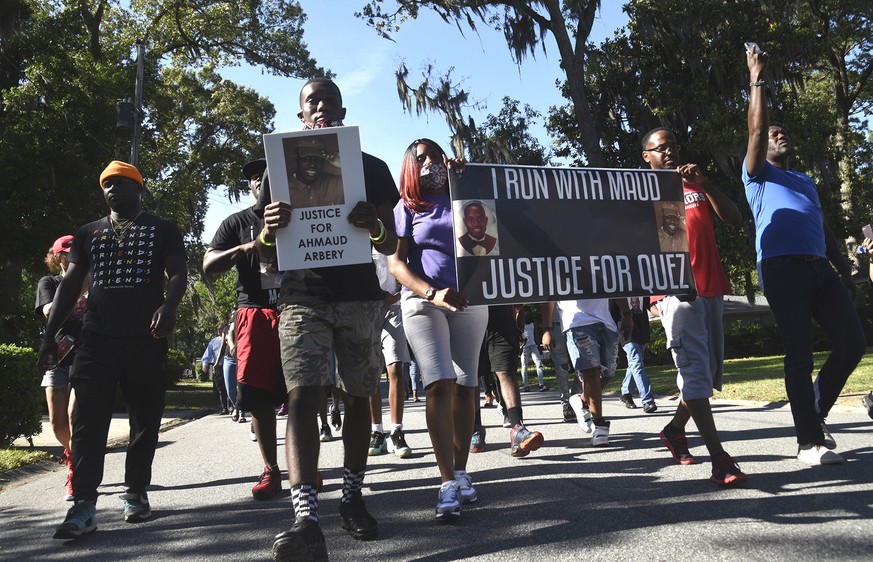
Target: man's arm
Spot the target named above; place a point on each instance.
(216, 262)
(164, 318)
(547, 311)
(276, 215)
(367, 215)
(65, 300)
(724, 208)
(756, 152)
(626, 324)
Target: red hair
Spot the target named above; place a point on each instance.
(410, 172)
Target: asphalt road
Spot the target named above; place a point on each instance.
(567, 501)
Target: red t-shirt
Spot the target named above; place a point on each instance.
(706, 265)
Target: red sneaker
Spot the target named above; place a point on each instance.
(268, 485)
(726, 471)
(677, 444)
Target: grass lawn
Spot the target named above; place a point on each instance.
(190, 394)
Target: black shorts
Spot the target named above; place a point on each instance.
(250, 398)
(502, 353)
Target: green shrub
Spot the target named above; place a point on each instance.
(746, 338)
(21, 414)
(176, 365)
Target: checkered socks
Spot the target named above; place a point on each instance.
(352, 483)
(304, 498)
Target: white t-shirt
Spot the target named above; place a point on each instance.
(586, 312)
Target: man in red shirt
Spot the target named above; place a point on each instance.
(693, 325)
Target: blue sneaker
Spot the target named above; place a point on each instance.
(136, 507)
(448, 504)
(81, 519)
(466, 492)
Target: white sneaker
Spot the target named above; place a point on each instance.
(466, 491)
(252, 435)
(818, 454)
(583, 416)
(601, 435)
(448, 504)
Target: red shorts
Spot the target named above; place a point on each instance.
(259, 361)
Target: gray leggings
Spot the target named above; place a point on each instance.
(446, 344)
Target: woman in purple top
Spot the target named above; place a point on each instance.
(445, 334)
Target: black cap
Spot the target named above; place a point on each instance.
(254, 167)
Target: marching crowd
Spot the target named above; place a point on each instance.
(306, 338)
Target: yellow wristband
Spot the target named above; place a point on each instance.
(264, 241)
(383, 234)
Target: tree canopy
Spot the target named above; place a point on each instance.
(63, 67)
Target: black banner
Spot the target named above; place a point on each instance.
(529, 234)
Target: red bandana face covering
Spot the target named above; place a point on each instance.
(307, 125)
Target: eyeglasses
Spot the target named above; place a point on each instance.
(663, 149)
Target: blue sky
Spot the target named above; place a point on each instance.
(365, 63)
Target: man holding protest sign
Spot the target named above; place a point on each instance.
(325, 311)
(693, 324)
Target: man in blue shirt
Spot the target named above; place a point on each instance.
(795, 250)
(213, 363)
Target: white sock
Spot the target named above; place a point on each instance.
(378, 427)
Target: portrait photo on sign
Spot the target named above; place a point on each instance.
(314, 171)
(475, 228)
(670, 216)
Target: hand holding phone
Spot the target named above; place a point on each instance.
(753, 47)
(868, 231)
(65, 346)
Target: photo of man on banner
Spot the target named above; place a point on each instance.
(671, 226)
(478, 238)
(313, 167)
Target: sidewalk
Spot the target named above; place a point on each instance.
(567, 501)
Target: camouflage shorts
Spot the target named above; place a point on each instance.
(312, 335)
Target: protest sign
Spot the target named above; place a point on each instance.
(534, 234)
(321, 174)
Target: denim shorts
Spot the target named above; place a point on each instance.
(593, 346)
(59, 376)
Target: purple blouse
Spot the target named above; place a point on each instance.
(431, 241)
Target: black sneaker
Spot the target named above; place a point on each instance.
(396, 443)
(377, 444)
(304, 541)
(543, 388)
(650, 407)
(569, 414)
(628, 402)
(357, 521)
(336, 419)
